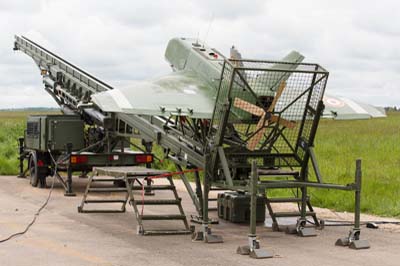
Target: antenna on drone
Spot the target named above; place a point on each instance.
(209, 27)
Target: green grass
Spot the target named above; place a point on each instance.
(377, 143)
(338, 145)
(12, 125)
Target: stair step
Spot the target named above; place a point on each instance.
(107, 179)
(113, 189)
(154, 187)
(100, 211)
(167, 232)
(105, 201)
(158, 202)
(292, 214)
(283, 200)
(163, 217)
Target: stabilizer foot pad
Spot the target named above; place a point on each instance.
(307, 232)
(261, 254)
(69, 194)
(213, 239)
(359, 244)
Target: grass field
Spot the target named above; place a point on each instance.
(377, 143)
(338, 145)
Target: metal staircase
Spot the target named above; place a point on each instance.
(135, 180)
(297, 198)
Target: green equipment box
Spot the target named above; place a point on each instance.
(54, 131)
(235, 207)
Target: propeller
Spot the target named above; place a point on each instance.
(263, 122)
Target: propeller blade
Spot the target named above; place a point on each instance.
(277, 96)
(248, 107)
(261, 127)
(258, 111)
(282, 121)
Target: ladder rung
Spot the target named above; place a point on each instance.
(212, 199)
(212, 209)
(167, 232)
(282, 200)
(276, 172)
(163, 217)
(158, 202)
(114, 189)
(292, 214)
(154, 187)
(105, 201)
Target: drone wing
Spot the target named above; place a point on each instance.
(178, 93)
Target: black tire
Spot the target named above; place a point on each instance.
(42, 182)
(33, 169)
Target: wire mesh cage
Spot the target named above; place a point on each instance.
(268, 109)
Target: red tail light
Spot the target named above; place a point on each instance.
(78, 159)
(144, 158)
(40, 163)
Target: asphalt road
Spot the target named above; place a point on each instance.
(62, 236)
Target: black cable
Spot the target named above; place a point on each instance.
(34, 217)
(41, 207)
(349, 223)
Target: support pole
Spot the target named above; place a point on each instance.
(149, 147)
(21, 157)
(68, 191)
(301, 228)
(353, 241)
(253, 200)
(357, 197)
(206, 191)
(253, 248)
(199, 192)
(205, 234)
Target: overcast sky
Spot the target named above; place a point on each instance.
(120, 41)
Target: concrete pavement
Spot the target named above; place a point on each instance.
(62, 236)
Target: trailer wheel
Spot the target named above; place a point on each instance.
(42, 181)
(33, 169)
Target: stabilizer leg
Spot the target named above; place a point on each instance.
(353, 241)
(253, 248)
(205, 234)
(68, 191)
(21, 173)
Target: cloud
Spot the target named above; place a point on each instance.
(120, 41)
